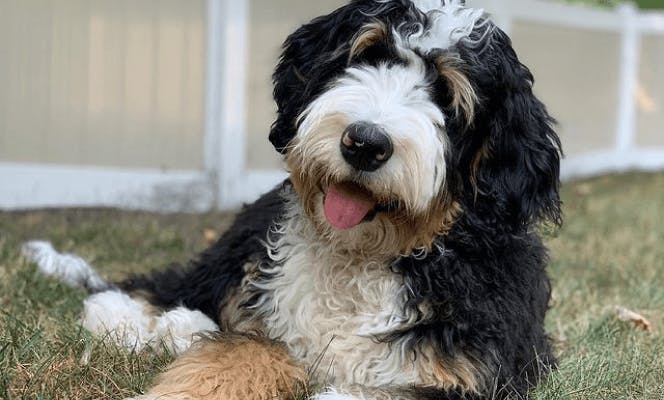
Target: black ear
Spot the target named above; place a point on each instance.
(311, 57)
(511, 153)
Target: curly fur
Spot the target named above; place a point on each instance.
(441, 292)
(231, 367)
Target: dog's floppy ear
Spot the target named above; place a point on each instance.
(512, 154)
(311, 57)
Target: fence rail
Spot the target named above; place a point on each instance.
(224, 179)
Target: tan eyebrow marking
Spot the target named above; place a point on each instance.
(369, 35)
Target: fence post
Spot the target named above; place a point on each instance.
(213, 87)
(629, 75)
(227, 47)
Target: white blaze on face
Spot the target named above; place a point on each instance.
(450, 21)
(398, 99)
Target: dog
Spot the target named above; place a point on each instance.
(401, 259)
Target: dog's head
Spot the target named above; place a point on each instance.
(397, 115)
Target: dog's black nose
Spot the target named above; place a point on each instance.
(366, 146)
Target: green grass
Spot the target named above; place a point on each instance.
(609, 252)
(43, 353)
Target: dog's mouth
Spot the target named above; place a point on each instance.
(348, 204)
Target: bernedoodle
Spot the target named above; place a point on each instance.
(401, 259)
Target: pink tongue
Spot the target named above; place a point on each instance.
(346, 205)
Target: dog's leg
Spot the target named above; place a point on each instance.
(112, 314)
(134, 323)
(231, 367)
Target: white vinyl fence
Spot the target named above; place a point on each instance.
(617, 123)
(165, 104)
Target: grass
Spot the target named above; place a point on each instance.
(609, 252)
(43, 353)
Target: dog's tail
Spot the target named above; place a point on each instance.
(69, 269)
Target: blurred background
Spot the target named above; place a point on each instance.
(166, 104)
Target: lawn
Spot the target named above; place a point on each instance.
(610, 252)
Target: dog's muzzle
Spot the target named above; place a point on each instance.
(366, 146)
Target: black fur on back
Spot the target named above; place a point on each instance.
(205, 282)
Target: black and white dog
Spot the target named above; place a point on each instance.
(401, 259)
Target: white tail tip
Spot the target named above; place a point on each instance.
(69, 269)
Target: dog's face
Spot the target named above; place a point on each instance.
(395, 114)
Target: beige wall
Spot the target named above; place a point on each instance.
(271, 22)
(576, 75)
(121, 82)
(99, 82)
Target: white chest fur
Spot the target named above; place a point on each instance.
(329, 307)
